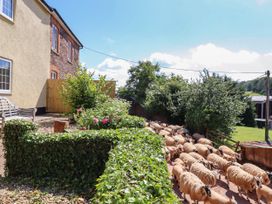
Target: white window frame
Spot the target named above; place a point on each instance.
(12, 11)
(52, 33)
(10, 71)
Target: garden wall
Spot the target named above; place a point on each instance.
(131, 162)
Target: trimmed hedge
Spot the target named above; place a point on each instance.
(130, 162)
(136, 171)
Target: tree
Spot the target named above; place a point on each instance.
(248, 117)
(214, 104)
(140, 78)
(168, 97)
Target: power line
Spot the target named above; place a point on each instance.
(171, 68)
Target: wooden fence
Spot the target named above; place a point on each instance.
(55, 102)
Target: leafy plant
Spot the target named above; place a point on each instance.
(111, 114)
(168, 97)
(129, 162)
(214, 105)
(81, 91)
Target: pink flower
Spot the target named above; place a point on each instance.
(95, 120)
(105, 121)
(79, 110)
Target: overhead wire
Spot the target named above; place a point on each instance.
(171, 68)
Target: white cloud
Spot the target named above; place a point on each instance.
(114, 69)
(207, 56)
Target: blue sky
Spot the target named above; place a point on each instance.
(219, 34)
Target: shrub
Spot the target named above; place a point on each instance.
(168, 97)
(136, 172)
(248, 117)
(14, 130)
(111, 114)
(81, 91)
(214, 105)
(135, 169)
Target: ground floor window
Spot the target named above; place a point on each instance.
(5, 75)
(54, 75)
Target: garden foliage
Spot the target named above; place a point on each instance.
(211, 104)
(168, 97)
(111, 114)
(130, 160)
(214, 105)
(82, 91)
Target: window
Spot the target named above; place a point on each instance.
(54, 75)
(6, 8)
(5, 75)
(55, 38)
(69, 52)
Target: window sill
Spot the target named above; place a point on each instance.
(70, 62)
(5, 92)
(7, 18)
(55, 52)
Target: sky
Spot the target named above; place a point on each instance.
(221, 35)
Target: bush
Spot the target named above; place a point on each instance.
(136, 172)
(77, 158)
(168, 97)
(214, 105)
(81, 91)
(111, 114)
(248, 117)
(135, 169)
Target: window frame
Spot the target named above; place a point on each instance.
(10, 76)
(52, 38)
(56, 74)
(5, 15)
(70, 48)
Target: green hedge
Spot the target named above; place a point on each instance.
(129, 162)
(136, 171)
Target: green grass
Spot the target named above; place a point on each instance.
(244, 134)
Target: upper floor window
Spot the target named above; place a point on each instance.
(6, 8)
(5, 75)
(55, 38)
(70, 51)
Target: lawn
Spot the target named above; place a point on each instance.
(243, 134)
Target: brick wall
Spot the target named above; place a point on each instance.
(59, 60)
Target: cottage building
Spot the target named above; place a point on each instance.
(36, 44)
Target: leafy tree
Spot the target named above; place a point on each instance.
(140, 78)
(214, 104)
(248, 117)
(168, 96)
(81, 91)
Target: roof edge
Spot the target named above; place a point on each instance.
(55, 11)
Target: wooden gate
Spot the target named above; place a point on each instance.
(55, 102)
